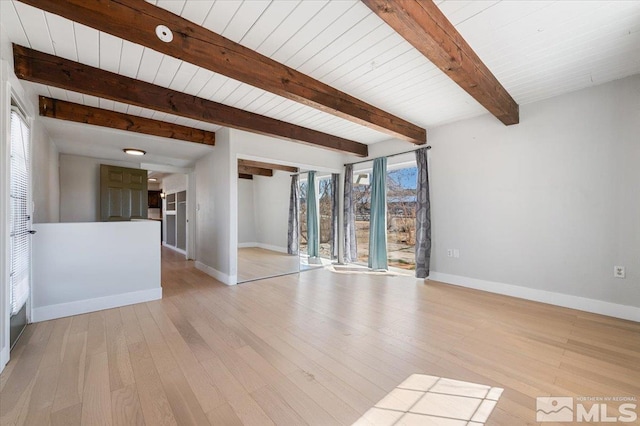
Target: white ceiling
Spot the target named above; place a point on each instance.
(536, 49)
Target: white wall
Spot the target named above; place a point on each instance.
(80, 187)
(271, 200)
(46, 183)
(174, 183)
(246, 214)
(213, 210)
(550, 204)
(84, 267)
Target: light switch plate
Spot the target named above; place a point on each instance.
(618, 271)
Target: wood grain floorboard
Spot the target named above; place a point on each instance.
(224, 415)
(125, 407)
(96, 395)
(316, 348)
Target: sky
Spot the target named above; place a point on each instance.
(408, 178)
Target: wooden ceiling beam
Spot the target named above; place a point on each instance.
(260, 164)
(63, 110)
(136, 21)
(43, 68)
(245, 170)
(423, 25)
(245, 176)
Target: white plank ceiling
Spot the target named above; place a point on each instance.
(536, 49)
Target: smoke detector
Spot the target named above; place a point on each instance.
(164, 33)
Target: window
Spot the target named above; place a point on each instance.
(20, 248)
(362, 207)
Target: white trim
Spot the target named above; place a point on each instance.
(191, 215)
(222, 277)
(45, 313)
(272, 248)
(247, 245)
(10, 89)
(5, 137)
(615, 310)
(263, 246)
(174, 248)
(4, 357)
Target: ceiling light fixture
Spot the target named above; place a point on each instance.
(134, 151)
(152, 180)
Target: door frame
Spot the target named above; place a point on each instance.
(10, 89)
(191, 215)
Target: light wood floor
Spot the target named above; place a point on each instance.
(256, 263)
(314, 348)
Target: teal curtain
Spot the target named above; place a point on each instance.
(378, 221)
(313, 235)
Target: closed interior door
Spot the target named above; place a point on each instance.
(123, 193)
(20, 225)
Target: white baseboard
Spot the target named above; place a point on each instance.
(4, 357)
(263, 246)
(272, 248)
(174, 248)
(615, 310)
(212, 272)
(247, 245)
(45, 313)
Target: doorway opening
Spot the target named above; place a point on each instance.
(171, 208)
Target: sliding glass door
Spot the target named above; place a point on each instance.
(362, 206)
(303, 218)
(324, 211)
(401, 214)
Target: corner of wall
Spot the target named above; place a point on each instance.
(213, 208)
(214, 273)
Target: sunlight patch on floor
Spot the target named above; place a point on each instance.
(430, 400)
(359, 269)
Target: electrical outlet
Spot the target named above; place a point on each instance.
(618, 272)
(456, 253)
(449, 252)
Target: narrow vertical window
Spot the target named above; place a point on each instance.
(20, 247)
